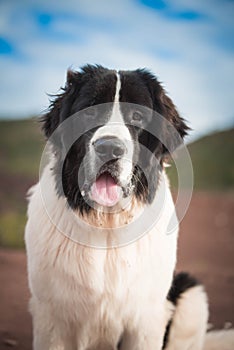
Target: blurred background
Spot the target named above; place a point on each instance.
(190, 47)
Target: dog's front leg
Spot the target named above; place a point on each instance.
(46, 334)
(146, 334)
(42, 325)
(141, 339)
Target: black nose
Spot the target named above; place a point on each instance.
(109, 147)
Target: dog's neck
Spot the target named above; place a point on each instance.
(103, 229)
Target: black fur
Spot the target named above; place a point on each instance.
(94, 85)
(181, 283)
(166, 334)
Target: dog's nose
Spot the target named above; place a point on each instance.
(109, 147)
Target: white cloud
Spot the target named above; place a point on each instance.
(198, 75)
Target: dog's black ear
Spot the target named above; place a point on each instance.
(73, 78)
(60, 105)
(51, 119)
(175, 128)
(172, 128)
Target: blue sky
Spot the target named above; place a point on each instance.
(189, 45)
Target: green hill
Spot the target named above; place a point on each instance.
(213, 161)
(21, 145)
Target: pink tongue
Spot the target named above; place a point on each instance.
(105, 190)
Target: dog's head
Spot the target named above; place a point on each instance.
(129, 125)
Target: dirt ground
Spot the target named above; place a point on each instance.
(206, 249)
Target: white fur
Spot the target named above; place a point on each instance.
(189, 321)
(87, 298)
(118, 87)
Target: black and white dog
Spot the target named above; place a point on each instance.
(109, 133)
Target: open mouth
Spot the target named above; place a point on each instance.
(105, 190)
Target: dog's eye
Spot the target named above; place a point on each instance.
(137, 117)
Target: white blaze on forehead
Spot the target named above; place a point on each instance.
(118, 87)
(116, 127)
(116, 116)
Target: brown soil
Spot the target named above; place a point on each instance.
(206, 249)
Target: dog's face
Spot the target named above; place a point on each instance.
(119, 113)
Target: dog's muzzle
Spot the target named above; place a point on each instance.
(106, 190)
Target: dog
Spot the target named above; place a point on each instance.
(101, 260)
